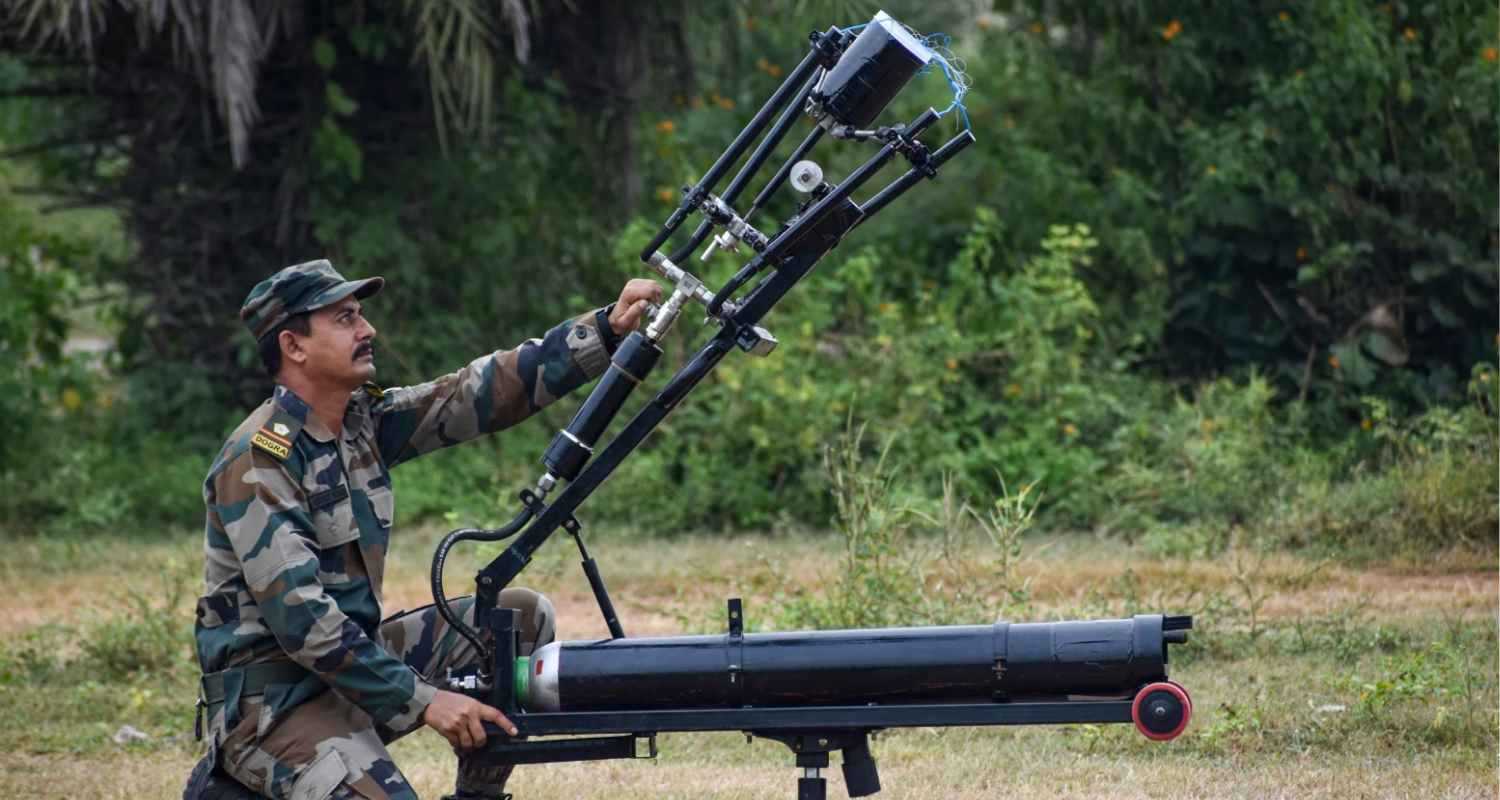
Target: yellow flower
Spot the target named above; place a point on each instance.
(1333, 361)
(1070, 429)
(665, 194)
(762, 64)
(1013, 390)
(1036, 27)
(71, 399)
(1170, 32)
(1366, 424)
(1491, 54)
(666, 126)
(1302, 254)
(723, 102)
(1284, 17)
(1212, 170)
(886, 308)
(774, 71)
(1410, 34)
(952, 363)
(1208, 426)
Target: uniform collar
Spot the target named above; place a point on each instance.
(355, 415)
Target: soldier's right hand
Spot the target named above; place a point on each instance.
(459, 718)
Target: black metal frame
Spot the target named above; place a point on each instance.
(811, 732)
(791, 254)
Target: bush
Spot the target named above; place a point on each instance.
(891, 573)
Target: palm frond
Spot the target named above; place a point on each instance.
(74, 24)
(456, 44)
(235, 51)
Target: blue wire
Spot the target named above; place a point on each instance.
(941, 40)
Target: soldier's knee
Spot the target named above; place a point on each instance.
(537, 616)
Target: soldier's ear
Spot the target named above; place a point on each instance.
(291, 347)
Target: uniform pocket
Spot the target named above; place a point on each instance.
(318, 780)
(383, 503)
(333, 527)
(333, 516)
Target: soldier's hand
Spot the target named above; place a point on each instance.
(632, 304)
(459, 718)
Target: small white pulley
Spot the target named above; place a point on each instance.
(806, 176)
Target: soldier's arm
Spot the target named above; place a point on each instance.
(259, 509)
(494, 391)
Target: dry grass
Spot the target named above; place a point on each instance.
(1262, 728)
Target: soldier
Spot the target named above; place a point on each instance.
(303, 683)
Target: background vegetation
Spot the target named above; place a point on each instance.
(1212, 274)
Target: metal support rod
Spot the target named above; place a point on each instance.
(596, 583)
(915, 175)
(809, 218)
(500, 572)
(786, 169)
(741, 142)
(762, 152)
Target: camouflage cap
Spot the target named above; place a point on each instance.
(301, 287)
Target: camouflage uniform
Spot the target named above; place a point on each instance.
(298, 523)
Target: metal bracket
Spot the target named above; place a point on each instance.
(736, 618)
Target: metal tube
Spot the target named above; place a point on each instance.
(758, 303)
(914, 175)
(974, 663)
(786, 169)
(752, 166)
(757, 123)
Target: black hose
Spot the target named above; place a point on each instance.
(440, 559)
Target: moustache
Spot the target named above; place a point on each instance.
(363, 350)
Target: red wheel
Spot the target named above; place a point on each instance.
(1161, 710)
(1185, 694)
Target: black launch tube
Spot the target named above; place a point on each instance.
(573, 445)
(977, 663)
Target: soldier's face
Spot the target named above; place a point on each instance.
(341, 347)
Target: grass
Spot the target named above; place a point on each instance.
(1309, 679)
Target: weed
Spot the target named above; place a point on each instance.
(890, 576)
(151, 638)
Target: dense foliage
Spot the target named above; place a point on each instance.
(1209, 267)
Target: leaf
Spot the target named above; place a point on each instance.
(324, 54)
(1443, 314)
(341, 103)
(1353, 367)
(1309, 273)
(1424, 271)
(1385, 348)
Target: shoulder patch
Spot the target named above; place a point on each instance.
(268, 441)
(277, 435)
(374, 391)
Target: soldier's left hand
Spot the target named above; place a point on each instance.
(631, 306)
